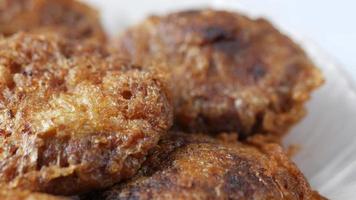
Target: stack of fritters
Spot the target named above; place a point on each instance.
(78, 117)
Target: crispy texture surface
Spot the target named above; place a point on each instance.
(72, 117)
(228, 72)
(192, 166)
(68, 17)
(26, 195)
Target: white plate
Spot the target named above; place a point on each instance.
(327, 135)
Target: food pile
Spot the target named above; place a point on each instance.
(189, 105)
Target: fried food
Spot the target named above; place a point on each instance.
(26, 195)
(189, 166)
(229, 73)
(69, 17)
(73, 118)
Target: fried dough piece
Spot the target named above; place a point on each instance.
(26, 195)
(229, 73)
(74, 118)
(189, 166)
(69, 17)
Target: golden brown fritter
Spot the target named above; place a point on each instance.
(26, 195)
(73, 118)
(68, 17)
(192, 166)
(228, 72)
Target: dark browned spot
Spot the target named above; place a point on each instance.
(257, 71)
(213, 34)
(257, 127)
(11, 114)
(4, 133)
(126, 94)
(228, 47)
(15, 68)
(241, 180)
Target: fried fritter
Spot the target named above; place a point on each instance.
(72, 117)
(188, 166)
(229, 73)
(26, 195)
(68, 17)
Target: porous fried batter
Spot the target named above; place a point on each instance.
(73, 118)
(26, 195)
(68, 17)
(192, 166)
(229, 73)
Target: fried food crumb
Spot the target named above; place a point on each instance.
(229, 73)
(196, 166)
(73, 118)
(6, 194)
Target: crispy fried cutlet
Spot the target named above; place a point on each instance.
(228, 72)
(73, 118)
(189, 166)
(70, 18)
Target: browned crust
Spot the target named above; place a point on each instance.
(70, 18)
(228, 72)
(72, 117)
(26, 195)
(198, 167)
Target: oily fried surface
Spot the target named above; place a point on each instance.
(191, 166)
(26, 195)
(68, 17)
(72, 117)
(228, 72)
